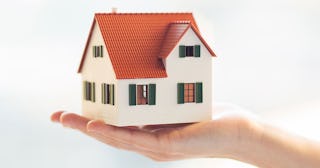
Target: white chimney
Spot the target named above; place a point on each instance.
(114, 10)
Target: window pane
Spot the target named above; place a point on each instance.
(144, 91)
(107, 94)
(189, 92)
(189, 51)
(186, 93)
(142, 94)
(139, 91)
(192, 99)
(191, 86)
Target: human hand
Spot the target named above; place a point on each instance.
(224, 136)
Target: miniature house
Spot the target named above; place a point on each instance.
(146, 68)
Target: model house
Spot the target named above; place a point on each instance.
(146, 68)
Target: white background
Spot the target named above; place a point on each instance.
(268, 62)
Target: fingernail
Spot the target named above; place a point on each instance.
(55, 117)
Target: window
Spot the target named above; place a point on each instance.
(107, 93)
(142, 94)
(89, 91)
(189, 93)
(97, 51)
(189, 51)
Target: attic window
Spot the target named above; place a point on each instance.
(189, 51)
(97, 51)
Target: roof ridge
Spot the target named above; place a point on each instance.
(181, 22)
(143, 13)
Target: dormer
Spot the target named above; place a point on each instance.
(175, 32)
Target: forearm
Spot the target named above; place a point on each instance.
(266, 146)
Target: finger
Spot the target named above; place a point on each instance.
(137, 137)
(78, 122)
(107, 138)
(130, 147)
(55, 117)
(74, 121)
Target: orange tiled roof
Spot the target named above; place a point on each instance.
(136, 42)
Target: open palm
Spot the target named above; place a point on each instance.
(215, 138)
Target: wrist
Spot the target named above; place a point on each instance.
(243, 144)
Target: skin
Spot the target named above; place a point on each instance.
(230, 136)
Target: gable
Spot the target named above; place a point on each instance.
(97, 67)
(174, 34)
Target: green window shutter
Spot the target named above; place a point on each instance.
(94, 51)
(98, 51)
(199, 96)
(101, 51)
(93, 92)
(112, 94)
(182, 51)
(108, 93)
(84, 90)
(152, 94)
(89, 92)
(197, 50)
(102, 93)
(132, 94)
(180, 93)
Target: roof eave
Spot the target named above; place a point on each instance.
(203, 41)
(86, 46)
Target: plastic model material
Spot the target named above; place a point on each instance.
(146, 68)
